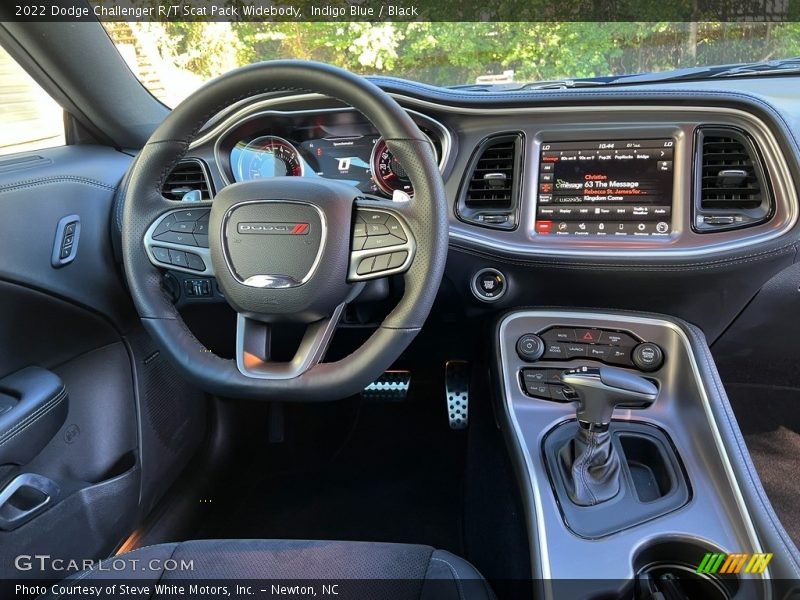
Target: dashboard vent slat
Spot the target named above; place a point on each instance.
(492, 181)
(188, 175)
(731, 189)
(722, 154)
(490, 191)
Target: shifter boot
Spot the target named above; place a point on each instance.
(592, 467)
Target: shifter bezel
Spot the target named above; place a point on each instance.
(626, 509)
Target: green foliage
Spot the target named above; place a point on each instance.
(450, 53)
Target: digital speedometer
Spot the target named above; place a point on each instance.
(267, 156)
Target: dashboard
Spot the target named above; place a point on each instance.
(627, 181)
(616, 198)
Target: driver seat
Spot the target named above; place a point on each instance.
(375, 570)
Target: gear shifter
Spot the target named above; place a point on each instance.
(589, 458)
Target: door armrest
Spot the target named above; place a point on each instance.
(34, 406)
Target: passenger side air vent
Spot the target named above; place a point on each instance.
(490, 191)
(731, 187)
(188, 175)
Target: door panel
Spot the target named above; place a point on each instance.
(111, 459)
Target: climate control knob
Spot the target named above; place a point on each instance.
(530, 347)
(647, 356)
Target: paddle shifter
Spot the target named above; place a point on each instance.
(590, 457)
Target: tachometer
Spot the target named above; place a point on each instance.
(267, 156)
(387, 171)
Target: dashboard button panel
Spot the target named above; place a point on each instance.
(604, 345)
(546, 385)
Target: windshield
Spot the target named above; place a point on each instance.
(173, 59)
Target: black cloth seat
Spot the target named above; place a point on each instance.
(363, 569)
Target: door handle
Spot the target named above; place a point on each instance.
(24, 497)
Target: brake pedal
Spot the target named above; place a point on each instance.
(456, 383)
(392, 386)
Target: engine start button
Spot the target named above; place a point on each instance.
(488, 285)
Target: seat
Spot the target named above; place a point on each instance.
(362, 569)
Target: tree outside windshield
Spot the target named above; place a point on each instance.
(173, 59)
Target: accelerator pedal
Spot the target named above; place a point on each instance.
(392, 386)
(456, 383)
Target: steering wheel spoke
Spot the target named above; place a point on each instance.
(253, 341)
(382, 243)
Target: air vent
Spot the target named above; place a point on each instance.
(731, 188)
(188, 175)
(490, 192)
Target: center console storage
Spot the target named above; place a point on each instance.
(621, 461)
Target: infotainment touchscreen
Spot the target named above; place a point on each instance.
(607, 188)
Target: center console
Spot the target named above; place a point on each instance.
(621, 458)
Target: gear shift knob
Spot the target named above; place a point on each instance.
(600, 390)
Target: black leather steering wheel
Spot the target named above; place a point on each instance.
(283, 249)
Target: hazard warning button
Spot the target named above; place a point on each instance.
(588, 336)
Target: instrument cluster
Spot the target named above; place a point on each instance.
(334, 144)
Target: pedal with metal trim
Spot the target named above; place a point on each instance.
(392, 386)
(456, 382)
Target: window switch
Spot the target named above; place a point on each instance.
(65, 245)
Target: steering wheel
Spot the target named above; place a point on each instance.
(290, 249)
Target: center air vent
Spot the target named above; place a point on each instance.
(731, 187)
(188, 175)
(490, 191)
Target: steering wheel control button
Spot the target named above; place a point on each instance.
(382, 241)
(161, 254)
(185, 239)
(360, 229)
(165, 224)
(365, 266)
(376, 229)
(182, 227)
(177, 258)
(394, 227)
(381, 263)
(647, 356)
(190, 215)
(374, 217)
(202, 240)
(194, 262)
(488, 285)
(358, 243)
(530, 347)
(397, 259)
